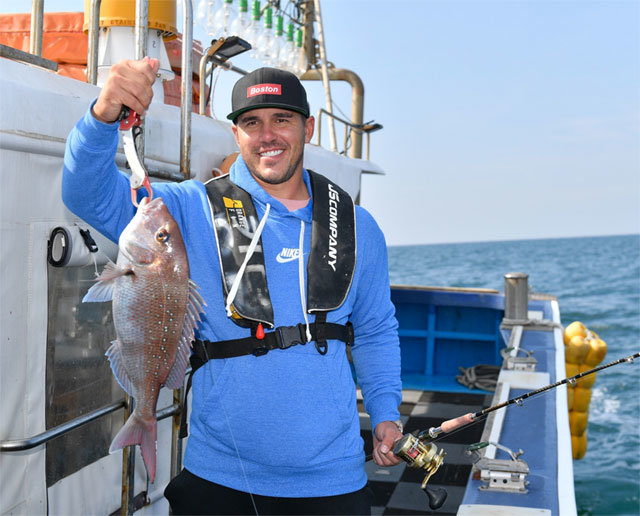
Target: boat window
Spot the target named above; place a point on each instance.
(78, 376)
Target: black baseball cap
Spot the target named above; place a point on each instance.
(268, 87)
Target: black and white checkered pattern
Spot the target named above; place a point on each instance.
(397, 489)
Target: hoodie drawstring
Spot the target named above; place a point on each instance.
(303, 300)
(250, 250)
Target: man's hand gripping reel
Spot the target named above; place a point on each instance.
(130, 127)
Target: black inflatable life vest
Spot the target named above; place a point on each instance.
(331, 261)
(330, 271)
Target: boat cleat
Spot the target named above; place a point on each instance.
(502, 475)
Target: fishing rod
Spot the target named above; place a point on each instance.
(459, 422)
(419, 451)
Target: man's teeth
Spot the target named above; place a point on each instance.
(268, 154)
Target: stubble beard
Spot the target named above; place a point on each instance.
(289, 173)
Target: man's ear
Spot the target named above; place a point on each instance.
(309, 126)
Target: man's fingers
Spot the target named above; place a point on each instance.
(130, 83)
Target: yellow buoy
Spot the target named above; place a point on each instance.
(578, 421)
(588, 381)
(576, 350)
(575, 328)
(596, 353)
(581, 399)
(572, 369)
(579, 446)
(570, 396)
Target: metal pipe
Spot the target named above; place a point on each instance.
(228, 66)
(44, 437)
(141, 31)
(37, 16)
(357, 101)
(176, 442)
(325, 76)
(37, 440)
(202, 81)
(516, 292)
(128, 466)
(187, 83)
(92, 46)
(141, 36)
(202, 76)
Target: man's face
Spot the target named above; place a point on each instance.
(271, 142)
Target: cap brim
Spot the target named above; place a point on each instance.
(237, 113)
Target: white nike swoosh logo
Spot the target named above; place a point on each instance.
(283, 259)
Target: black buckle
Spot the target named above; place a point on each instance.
(258, 352)
(287, 336)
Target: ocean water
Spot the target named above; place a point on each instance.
(596, 281)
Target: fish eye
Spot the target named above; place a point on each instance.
(162, 235)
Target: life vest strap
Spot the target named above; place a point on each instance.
(282, 337)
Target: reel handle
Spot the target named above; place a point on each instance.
(437, 497)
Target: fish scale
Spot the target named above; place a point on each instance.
(154, 303)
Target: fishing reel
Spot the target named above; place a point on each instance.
(420, 455)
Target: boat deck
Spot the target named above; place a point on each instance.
(397, 490)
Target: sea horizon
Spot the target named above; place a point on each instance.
(515, 240)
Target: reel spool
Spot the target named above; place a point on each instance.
(419, 455)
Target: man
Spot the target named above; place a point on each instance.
(274, 427)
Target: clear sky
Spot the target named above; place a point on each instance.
(502, 119)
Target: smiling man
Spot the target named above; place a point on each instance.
(292, 273)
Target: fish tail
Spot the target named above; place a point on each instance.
(143, 432)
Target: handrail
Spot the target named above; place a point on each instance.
(35, 35)
(92, 44)
(44, 437)
(209, 55)
(366, 128)
(186, 100)
(357, 100)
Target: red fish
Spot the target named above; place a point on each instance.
(155, 310)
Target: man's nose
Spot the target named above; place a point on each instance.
(268, 132)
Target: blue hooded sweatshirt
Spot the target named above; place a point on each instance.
(284, 424)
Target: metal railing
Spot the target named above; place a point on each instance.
(186, 65)
(127, 504)
(349, 127)
(36, 36)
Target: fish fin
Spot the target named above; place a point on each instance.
(113, 271)
(195, 304)
(195, 299)
(117, 366)
(139, 431)
(103, 290)
(175, 379)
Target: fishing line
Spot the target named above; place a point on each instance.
(226, 416)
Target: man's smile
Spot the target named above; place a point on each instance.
(271, 153)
